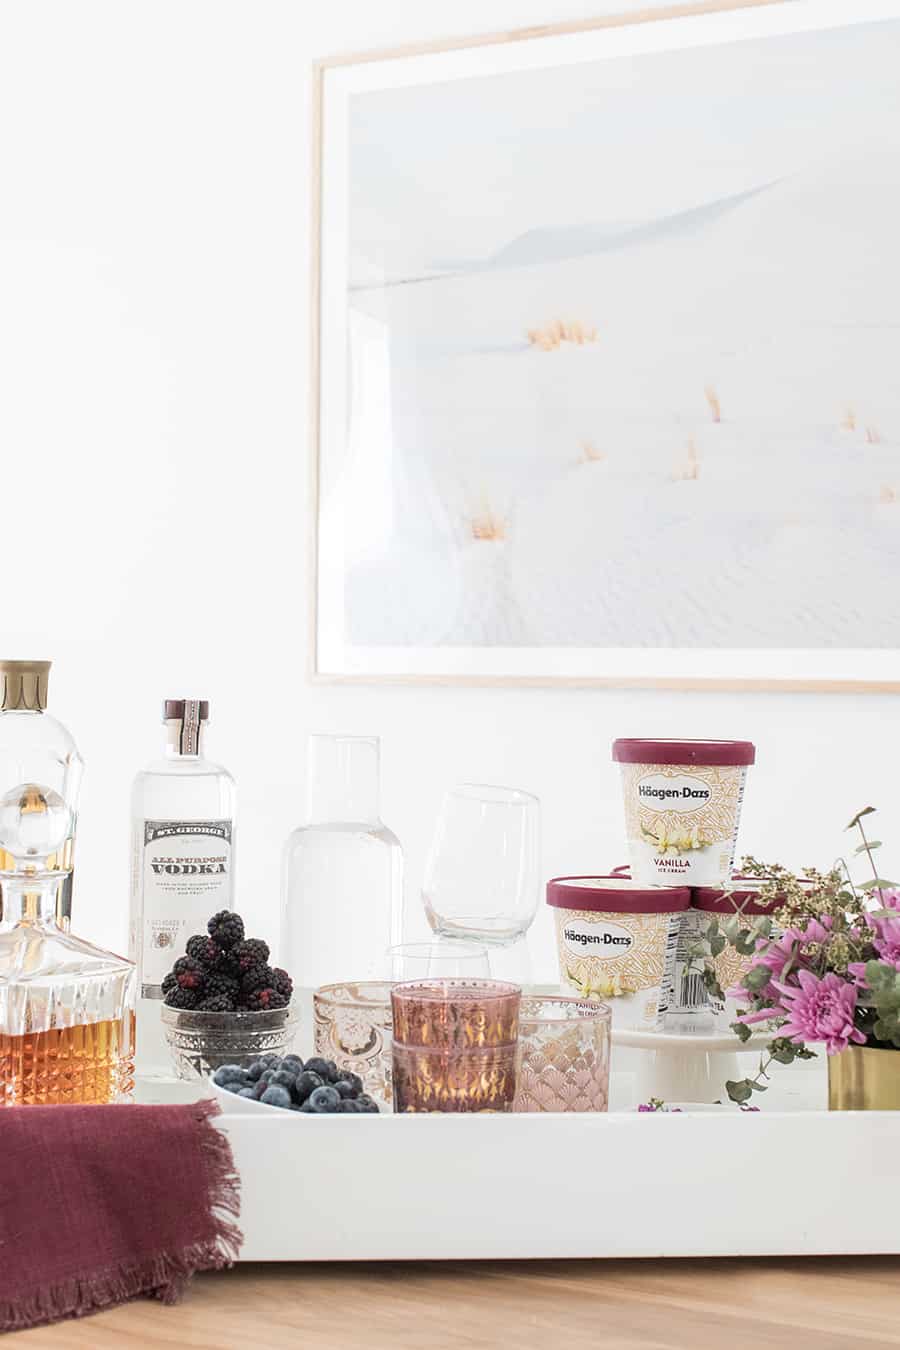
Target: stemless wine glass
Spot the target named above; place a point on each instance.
(482, 878)
(441, 960)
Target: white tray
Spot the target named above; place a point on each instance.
(366, 1188)
(369, 1188)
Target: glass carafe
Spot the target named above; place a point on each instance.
(66, 1019)
(343, 871)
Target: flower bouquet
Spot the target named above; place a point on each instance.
(824, 969)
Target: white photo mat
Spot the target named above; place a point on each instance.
(441, 555)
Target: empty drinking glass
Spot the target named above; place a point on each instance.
(563, 1054)
(482, 879)
(437, 960)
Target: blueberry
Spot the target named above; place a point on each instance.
(270, 1061)
(284, 1078)
(305, 1107)
(367, 1104)
(294, 1062)
(259, 1087)
(325, 1099)
(304, 1084)
(233, 1085)
(276, 1095)
(349, 1106)
(345, 1090)
(267, 1075)
(227, 1073)
(323, 1067)
(255, 1069)
(353, 1080)
(247, 1092)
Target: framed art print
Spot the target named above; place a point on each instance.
(607, 338)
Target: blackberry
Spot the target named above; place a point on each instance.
(220, 983)
(170, 982)
(251, 952)
(189, 974)
(282, 982)
(204, 950)
(257, 976)
(225, 928)
(182, 998)
(216, 1003)
(264, 1000)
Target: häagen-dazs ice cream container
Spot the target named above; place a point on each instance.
(682, 807)
(616, 941)
(692, 1007)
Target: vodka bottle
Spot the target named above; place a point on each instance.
(343, 871)
(182, 812)
(35, 747)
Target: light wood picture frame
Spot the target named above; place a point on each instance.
(545, 450)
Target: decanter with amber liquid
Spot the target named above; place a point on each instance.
(66, 1007)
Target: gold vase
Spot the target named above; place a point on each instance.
(863, 1079)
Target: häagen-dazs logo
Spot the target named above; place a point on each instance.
(605, 941)
(680, 793)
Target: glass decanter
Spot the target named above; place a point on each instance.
(343, 871)
(66, 1007)
(36, 748)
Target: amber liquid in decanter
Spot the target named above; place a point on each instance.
(66, 1006)
(92, 1062)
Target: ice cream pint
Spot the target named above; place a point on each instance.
(682, 807)
(616, 941)
(692, 1007)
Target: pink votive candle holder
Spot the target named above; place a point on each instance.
(454, 1045)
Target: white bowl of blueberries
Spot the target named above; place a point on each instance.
(285, 1083)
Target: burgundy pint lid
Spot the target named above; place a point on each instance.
(616, 895)
(715, 753)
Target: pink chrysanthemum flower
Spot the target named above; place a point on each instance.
(821, 1010)
(887, 943)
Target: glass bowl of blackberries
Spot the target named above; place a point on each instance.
(285, 1083)
(224, 1003)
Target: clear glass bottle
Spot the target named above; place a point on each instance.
(66, 1007)
(36, 748)
(342, 872)
(183, 837)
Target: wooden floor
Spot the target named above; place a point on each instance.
(823, 1304)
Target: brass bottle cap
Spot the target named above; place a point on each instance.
(24, 685)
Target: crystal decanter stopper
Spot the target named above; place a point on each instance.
(66, 1019)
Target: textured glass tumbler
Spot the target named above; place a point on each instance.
(455, 1045)
(201, 1042)
(353, 1027)
(563, 1054)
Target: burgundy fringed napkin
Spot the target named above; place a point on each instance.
(100, 1204)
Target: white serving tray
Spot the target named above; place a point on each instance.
(370, 1188)
(366, 1188)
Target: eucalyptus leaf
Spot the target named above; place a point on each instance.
(756, 978)
(867, 848)
(717, 945)
(740, 1090)
(878, 884)
(866, 811)
(742, 1031)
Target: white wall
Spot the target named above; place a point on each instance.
(154, 163)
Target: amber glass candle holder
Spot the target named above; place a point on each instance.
(455, 1045)
(563, 1054)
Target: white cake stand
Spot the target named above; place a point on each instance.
(682, 1066)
